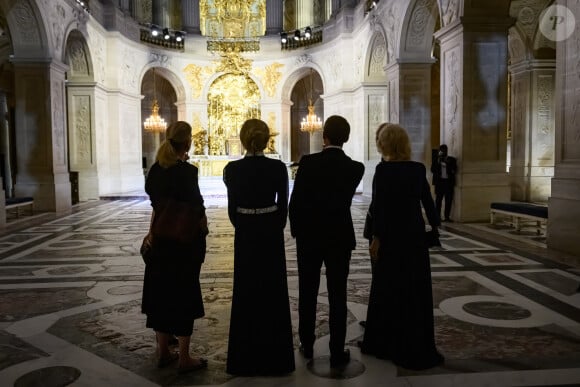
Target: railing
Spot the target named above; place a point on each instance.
(303, 41)
(171, 43)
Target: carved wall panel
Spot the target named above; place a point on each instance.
(27, 27)
(520, 97)
(414, 106)
(544, 138)
(77, 58)
(378, 59)
(394, 101)
(449, 10)
(452, 98)
(58, 109)
(81, 143)
(376, 113)
(418, 25)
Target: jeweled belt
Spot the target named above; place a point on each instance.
(256, 211)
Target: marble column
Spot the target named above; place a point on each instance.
(82, 138)
(532, 126)
(410, 105)
(304, 13)
(41, 141)
(473, 111)
(161, 13)
(564, 204)
(274, 16)
(285, 130)
(190, 16)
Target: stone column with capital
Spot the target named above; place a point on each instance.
(473, 111)
(41, 138)
(532, 126)
(564, 204)
(410, 104)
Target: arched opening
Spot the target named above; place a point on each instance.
(308, 88)
(155, 87)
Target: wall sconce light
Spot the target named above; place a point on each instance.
(307, 32)
(297, 35)
(166, 35)
(155, 31)
(284, 37)
(178, 36)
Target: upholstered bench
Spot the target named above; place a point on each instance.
(520, 211)
(14, 205)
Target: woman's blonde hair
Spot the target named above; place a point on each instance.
(393, 142)
(254, 135)
(177, 141)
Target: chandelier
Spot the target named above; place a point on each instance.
(155, 123)
(311, 123)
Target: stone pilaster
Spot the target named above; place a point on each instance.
(82, 138)
(564, 204)
(274, 16)
(41, 140)
(410, 105)
(473, 111)
(190, 16)
(532, 125)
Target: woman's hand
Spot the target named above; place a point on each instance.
(374, 248)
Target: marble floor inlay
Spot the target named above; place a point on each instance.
(70, 291)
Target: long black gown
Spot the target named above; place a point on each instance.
(172, 297)
(400, 324)
(260, 338)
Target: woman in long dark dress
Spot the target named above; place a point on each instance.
(260, 338)
(172, 297)
(399, 324)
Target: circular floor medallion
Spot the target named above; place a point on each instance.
(497, 310)
(320, 366)
(49, 377)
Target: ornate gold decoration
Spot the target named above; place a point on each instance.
(233, 23)
(233, 98)
(270, 76)
(271, 148)
(196, 76)
(233, 62)
(199, 137)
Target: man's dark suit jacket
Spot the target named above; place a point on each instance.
(451, 170)
(320, 203)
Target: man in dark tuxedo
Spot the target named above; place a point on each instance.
(321, 222)
(444, 169)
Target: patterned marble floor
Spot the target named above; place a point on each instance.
(506, 313)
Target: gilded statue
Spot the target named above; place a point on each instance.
(199, 142)
(233, 62)
(270, 77)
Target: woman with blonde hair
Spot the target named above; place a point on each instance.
(399, 324)
(260, 338)
(172, 297)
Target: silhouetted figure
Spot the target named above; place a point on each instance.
(321, 222)
(444, 169)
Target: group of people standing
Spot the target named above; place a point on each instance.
(399, 324)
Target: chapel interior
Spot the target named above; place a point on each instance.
(88, 87)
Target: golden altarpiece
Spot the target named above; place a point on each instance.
(233, 27)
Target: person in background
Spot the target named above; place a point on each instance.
(172, 297)
(260, 337)
(399, 323)
(321, 222)
(444, 169)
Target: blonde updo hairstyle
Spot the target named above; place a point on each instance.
(393, 142)
(254, 135)
(177, 141)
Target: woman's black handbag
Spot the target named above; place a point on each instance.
(146, 249)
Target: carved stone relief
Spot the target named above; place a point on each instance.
(449, 10)
(58, 22)
(358, 59)
(392, 27)
(376, 112)
(77, 58)
(545, 125)
(98, 45)
(378, 59)
(303, 60)
(419, 20)
(527, 12)
(452, 96)
(58, 122)
(128, 70)
(82, 129)
(334, 65)
(516, 47)
(393, 101)
(161, 60)
(28, 28)
(520, 98)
